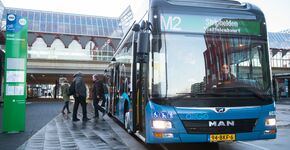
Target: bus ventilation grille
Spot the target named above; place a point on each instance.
(219, 126)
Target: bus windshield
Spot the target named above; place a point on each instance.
(209, 64)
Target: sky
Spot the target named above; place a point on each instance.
(110, 8)
(276, 13)
(277, 17)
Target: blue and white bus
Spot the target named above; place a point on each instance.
(194, 71)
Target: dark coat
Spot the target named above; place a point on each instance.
(226, 77)
(98, 90)
(80, 86)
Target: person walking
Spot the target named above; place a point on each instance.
(98, 93)
(79, 92)
(65, 96)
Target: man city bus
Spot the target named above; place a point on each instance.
(194, 71)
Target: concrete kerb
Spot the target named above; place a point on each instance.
(282, 115)
(130, 141)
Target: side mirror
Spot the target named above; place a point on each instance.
(143, 43)
(136, 28)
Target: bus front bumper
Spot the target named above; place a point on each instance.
(192, 138)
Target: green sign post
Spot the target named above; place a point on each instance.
(15, 74)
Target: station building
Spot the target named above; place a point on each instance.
(60, 44)
(279, 44)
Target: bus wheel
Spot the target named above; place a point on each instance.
(126, 122)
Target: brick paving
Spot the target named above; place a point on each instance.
(62, 133)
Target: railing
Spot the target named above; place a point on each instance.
(280, 63)
(70, 54)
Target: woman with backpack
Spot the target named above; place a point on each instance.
(65, 96)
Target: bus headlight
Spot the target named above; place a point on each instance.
(270, 122)
(161, 124)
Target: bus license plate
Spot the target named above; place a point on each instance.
(222, 137)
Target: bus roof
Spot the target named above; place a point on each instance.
(211, 6)
(208, 3)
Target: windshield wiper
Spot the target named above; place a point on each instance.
(181, 95)
(228, 92)
(240, 91)
(203, 94)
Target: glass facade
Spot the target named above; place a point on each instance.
(1, 55)
(71, 26)
(1, 12)
(65, 23)
(97, 26)
(57, 51)
(126, 19)
(280, 49)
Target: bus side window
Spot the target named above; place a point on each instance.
(117, 79)
(126, 85)
(122, 85)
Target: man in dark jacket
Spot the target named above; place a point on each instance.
(98, 93)
(79, 94)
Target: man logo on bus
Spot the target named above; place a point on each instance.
(220, 109)
(221, 123)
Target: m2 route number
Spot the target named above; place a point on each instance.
(171, 23)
